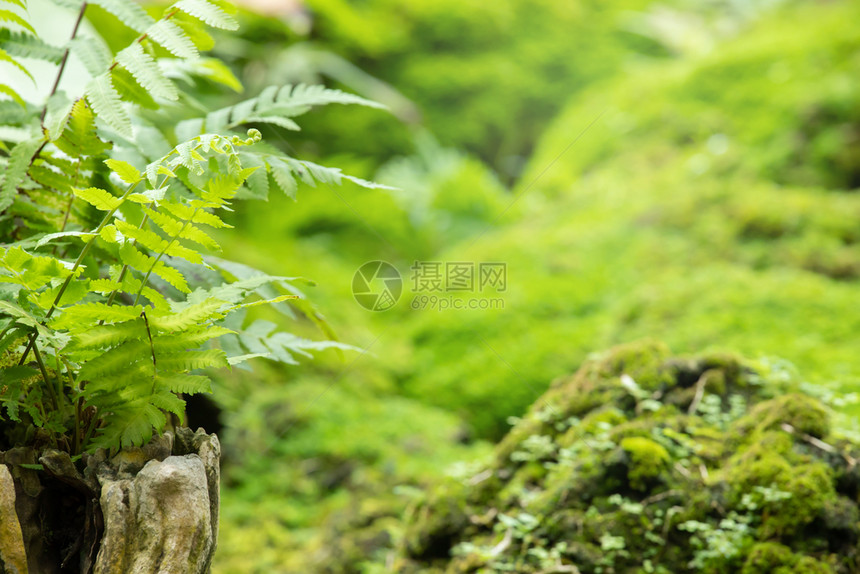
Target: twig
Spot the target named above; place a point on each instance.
(63, 64)
(700, 392)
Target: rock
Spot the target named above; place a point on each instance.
(160, 521)
(13, 559)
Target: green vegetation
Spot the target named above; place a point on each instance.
(677, 171)
(108, 304)
(678, 473)
(710, 205)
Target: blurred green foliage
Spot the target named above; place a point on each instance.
(712, 204)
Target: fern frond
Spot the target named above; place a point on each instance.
(156, 243)
(109, 335)
(9, 16)
(79, 137)
(51, 179)
(187, 317)
(182, 383)
(261, 337)
(168, 402)
(29, 46)
(16, 169)
(283, 176)
(89, 313)
(130, 426)
(4, 89)
(92, 53)
(98, 198)
(131, 91)
(17, 3)
(147, 73)
(5, 57)
(188, 340)
(115, 360)
(107, 104)
(171, 37)
(130, 256)
(208, 13)
(190, 360)
(175, 228)
(128, 12)
(126, 172)
(273, 105)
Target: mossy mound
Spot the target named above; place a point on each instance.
(645, 463)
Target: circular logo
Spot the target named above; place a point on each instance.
(377, 285)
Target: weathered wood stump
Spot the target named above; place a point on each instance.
(142, 511)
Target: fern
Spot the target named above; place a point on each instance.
(106, 266)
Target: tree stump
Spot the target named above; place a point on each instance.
(142, 511)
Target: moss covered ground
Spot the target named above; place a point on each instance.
(711, 204)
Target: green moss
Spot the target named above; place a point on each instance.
(803, 413)
(648, 460)
(625, 484)
(766, 557)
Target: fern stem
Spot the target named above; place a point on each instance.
(42, 368)
(160, 255)
(145, 35)
(63, 61)
(90, 430)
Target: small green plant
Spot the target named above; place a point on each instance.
(110, 300)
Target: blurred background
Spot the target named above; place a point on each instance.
(683, 170)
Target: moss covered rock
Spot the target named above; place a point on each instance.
(645, 463)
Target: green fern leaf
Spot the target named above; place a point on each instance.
(131, 284)
(9, 16)
(146, 72)
(109, 335)
(29, 46)
(4, 89)
(17, 3)
(45, 239)
(50, 179)
(129, 426)
(208, 13)
(89, 313)
(156, 243)
(128, 12)
(79, 138)
(130, 91)
(171, 37)
(116, 360)
(190, 360)
(16, 169)
(188, 213)
(172, 227)
(71, 5)
(92, 53)
(167, 401)
(106, 103)
(126, 172)
(279, 121)
(189, 316)
(182, 383)
(188, 340)
(5, 57)
(137, 260)
(283, 177)
(98, 198)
